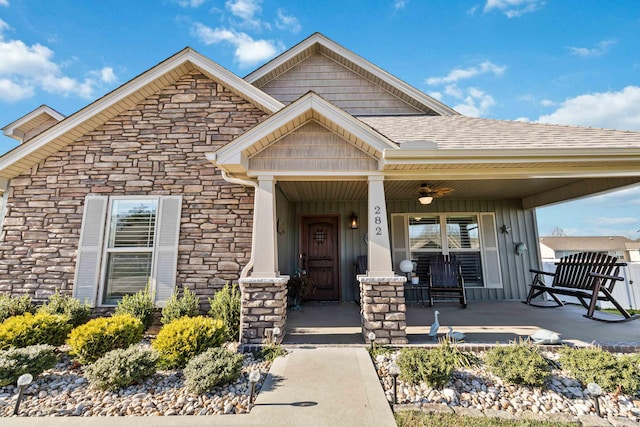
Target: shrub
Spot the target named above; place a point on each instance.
(421, 365)
(596, 365)
(33, 359)
(184, 338)
(175, 308)
(520, 363)
(139, 305)
(271, 351)
(122, 367)
(97, 337)
(225, 305)
(216, 366)
(29, 329)
(14, 306)
(77, 312)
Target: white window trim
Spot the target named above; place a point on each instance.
(445, 242)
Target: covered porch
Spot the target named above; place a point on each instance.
(483, 323)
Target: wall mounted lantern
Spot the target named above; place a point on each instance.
(353, 220)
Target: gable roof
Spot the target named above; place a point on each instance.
(319, 43)
(589, 243)
(233, 156)
(126, 96)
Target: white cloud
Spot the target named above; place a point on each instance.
(599, 49)
(4, 2)
(436, 95)
(616, 110)
(245, 10)
(24, 68)
(190, 3)
(547, 103)
(458, 74)
(476, 103)
(513, 8)
(247, 50)
(107, 75)
(286, 22)
(400, 4)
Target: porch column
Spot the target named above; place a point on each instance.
(381, 291)
(379, 243)
(265, 256)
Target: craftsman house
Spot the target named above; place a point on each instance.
(189, 175)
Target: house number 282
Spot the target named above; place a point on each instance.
(377, 219)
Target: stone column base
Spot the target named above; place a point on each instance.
(383, 309)
(264, 307)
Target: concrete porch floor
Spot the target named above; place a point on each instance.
(482, 323)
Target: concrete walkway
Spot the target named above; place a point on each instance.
(310, 387)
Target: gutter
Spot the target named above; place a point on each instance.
(246, 183)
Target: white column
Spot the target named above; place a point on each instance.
(379, 244)
(265, 258)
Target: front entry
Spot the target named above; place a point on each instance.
(320, 256)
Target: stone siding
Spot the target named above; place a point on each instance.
(156, 148)
(264, 307)
(383, 309)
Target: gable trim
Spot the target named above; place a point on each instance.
(126, 96)
(319, 43)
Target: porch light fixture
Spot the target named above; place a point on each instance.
(595, 391)
(353, 221)
(23, 381)
(394, 371)
(425, 200)
(520, 248)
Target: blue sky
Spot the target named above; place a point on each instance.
(571, 62)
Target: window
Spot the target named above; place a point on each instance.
(126, 244)
(470, 237)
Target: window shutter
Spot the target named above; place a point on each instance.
(399, 241)
(166, 252)
(85, 286)
(490, 253)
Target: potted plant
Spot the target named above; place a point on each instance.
(300, 287)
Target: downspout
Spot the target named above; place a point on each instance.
(245, 182)
(4, 194)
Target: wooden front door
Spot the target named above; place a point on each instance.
(319, 254)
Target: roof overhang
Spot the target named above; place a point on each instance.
(319, 43)
(31, 120)
(233, 157)
(125, 97)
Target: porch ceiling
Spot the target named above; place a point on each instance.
(298, 191)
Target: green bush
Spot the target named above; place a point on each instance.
(184, 338)
(122, 367)
(31, 329)
(139, 305)
(216, 366)
(225, 305)
(596, 365)
(271, 351)
(77, 312)
(14, 306)
(431, 366)
(33, 359)
(520, 363)
(97, 337)
(175, 308)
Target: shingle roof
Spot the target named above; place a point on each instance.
(452, 132)
(588, 243)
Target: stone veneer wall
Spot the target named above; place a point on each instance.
(156, 148)
(264, 307)
(383, 309)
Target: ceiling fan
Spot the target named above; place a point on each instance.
(427, 194)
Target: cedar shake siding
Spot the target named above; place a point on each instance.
(156, 148)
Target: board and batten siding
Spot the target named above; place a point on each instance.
(312, 147)
(339, 85)
(514, 268)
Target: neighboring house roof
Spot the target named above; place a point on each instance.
(589, 243)
(126, 96)
(460, 132)
(319, 43)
